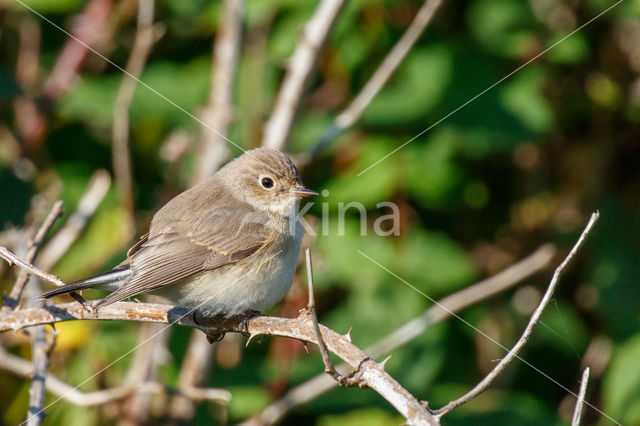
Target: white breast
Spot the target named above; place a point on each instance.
(255, 283)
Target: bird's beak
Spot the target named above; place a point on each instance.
(303, 192)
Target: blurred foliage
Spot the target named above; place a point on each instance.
(513, 160)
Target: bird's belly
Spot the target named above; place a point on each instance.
(255, 283)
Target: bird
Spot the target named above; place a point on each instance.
(226, 246)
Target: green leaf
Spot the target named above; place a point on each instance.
(523, 97)
(368, 416)
(433, 173)
(571, 50)
(246, 401)
(372, 187)
(622, 383)
(416, 88)
(503, 26)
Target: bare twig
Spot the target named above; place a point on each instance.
(41, 345)
(219, 112)
(15, 260)
(311, 306)
(354, 111)
(87, 28)
(149, 354)
(513, 353)
(28, 121)
(23, 368)
(372, 373)
(276, 130)
(577, 413)
(143, 41)
(13, 300)
(455, 302)
(195, 367)
(66, 236)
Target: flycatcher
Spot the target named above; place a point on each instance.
(225, 246)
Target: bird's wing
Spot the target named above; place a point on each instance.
(181, 249)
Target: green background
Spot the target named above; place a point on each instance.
(523, 164)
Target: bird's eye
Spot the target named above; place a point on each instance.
(266, 182)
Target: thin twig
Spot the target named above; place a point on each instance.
(276, 130)
(372, 373)
(354, 110)
(328, 365)
(219, 112)
(194, 370)
(23, 368)
(142, 44)
(40, 343)
(13, 300)
(577, 413)
(455, 302)
(29, 122)
(41, 346)
(70, 231)
(87, 27)
(147, 358)
(15, 260)
(513, 353)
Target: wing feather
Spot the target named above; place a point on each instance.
(175, 250)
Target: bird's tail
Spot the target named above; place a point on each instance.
(110, 280)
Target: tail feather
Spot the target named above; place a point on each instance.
(110, 280)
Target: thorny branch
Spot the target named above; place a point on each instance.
(355, 378)
(372, 373)
(455, 302)
(513, 353)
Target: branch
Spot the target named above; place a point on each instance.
(87, 27)
(13, 300)
(372, 373)
(70, 231)
(41, 345)
(59, 388)
(148, 355)
(513, 353)
(194, 370)
(146, 33)
(219, 112)
(15, 260)
(354, 111)
(455, 302)
(311, 307)
(315, 33)
(577, 413)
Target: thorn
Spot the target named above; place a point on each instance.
(382, 364)
(348, 334)
(306, 348)
(251, 336)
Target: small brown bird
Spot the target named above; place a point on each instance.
(225, 246)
